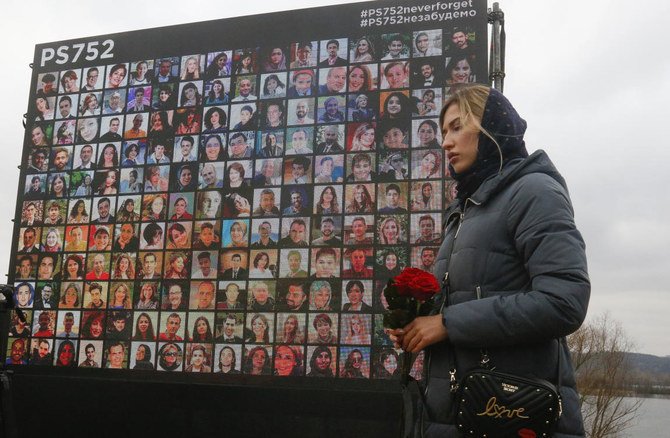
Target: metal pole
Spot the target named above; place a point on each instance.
(497, 55)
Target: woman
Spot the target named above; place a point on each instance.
(218, 67)
(191, 70)
(121, 297)
(427, 135)
(363, 138)
(288, 361)
(185, 181)
(65, 133)
(276, 60)
(139, 76)
(70, 298)
(190, 95)
(108, 185)
(202, 332)
(169, 357)
(69, 81)
(124, 269)
(352, 365)
(44, 111)
(234, 178)
(127, 212)
(426, 106)
(144, 328)
(227, 361)
(429, 166)
(131, 153)
(109, 157)
(189, 122)
(364, 51)
(116, 76)
(324, 330)
(143, 358)
(328, 203)
(387, 367)
(244, 64)
(152, 236)
(58, 188)
(238, 235)
(356, 332)
(522, 303)
(178, 268)
(89, 107)
(320, 295)
(155, 210)
(257, 362)
(148, 297)
(397, 106)
(390, 231)
(360, 79)
(213, 148)
(181, 210)
(259, 330)
(93, 325)
(459, 71)
(52, 242)
(73, 268)
(215, 120)
(78, 214)
(85, 188)
(320, 362)
(273, 87)
(291, 334)
(65, 354)
(166, 98)
(394, 168)
(362, 200)
(178, 237)
(390, 268)
(159, 125)
(199, 359)
(261, 267)
(361, 111)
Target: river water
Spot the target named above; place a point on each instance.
(653, 419)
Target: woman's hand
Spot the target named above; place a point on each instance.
(419, 334)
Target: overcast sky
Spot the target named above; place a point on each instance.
(591, 79)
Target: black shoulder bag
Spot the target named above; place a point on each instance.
(497, 404)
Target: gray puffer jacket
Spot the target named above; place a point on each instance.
(517, 281)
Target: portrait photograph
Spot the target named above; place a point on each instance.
(92, 78)
(142, 355)
(303, 54)
(198, 358)
(323, 328)
(90, 354)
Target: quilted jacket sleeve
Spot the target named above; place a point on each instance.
(540, 221)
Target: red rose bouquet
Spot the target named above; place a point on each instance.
(409, 294)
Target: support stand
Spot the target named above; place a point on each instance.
(7, 417)
(497, 56)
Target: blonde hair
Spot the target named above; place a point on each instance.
(471, 101)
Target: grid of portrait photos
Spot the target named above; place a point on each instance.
(234, 212)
